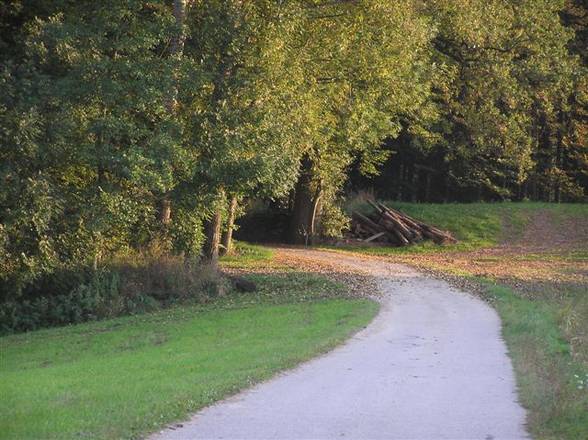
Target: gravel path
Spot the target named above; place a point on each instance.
(432, 365)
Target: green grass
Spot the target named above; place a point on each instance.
(552, 373)
(125, 377)
(247, 255)
(475, 225)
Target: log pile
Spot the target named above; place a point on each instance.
(392, 227)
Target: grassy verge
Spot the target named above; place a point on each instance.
(125, 377)
(546, 337)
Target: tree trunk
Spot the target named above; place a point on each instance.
(559, 155)
(399, 182)
(427, 187)
(177, 47)
(179, 38)
(165, 211)
(413, 184)
(227, 238)
(213, 236)
(546, 163)
(301, 223)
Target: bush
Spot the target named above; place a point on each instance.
(92, 300)
(132, 284)
(334, 221)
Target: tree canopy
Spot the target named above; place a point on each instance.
(129, 123)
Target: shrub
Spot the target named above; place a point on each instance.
(131, 284)
(334, 221)
(88, 301)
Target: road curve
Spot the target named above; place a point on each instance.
(432, 365)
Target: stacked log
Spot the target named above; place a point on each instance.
(390, 226)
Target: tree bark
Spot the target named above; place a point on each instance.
(559, 154)
(177, 48)
(227, 238)
(545, 164)
(165, 211)
(213, 235)
(427, 187)
(178, 40)
(413, 184)
(301, 223)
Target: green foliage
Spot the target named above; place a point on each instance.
(363, 64)
(186, 232)
(80, 171)
(86, 302)
(507, 94)
(104, 121)
(241, 120)
(334, 221)
(131, 284)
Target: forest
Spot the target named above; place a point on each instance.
(134, 133)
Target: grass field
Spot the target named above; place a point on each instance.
(125, 377)
(247, 256)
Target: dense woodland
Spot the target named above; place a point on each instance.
(134, 127)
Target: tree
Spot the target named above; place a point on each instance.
(97, 141)
(500, 67)
(364, 63)
(176, 53)
(242, 123)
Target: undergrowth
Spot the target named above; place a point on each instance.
(126, 285)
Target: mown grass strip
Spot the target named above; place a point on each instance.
(128, 376)
(247, 255)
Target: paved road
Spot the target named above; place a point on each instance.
(432, 365)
